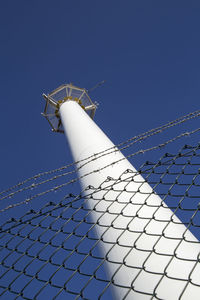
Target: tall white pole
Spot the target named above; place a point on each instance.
(148, 250)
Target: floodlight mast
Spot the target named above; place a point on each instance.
(137, 252)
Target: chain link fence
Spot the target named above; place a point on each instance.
(55, 252)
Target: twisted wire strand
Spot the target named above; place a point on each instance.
(58, 187)
(127, 143)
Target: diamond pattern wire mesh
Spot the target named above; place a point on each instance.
(55, 252)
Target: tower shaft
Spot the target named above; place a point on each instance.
(145, 245)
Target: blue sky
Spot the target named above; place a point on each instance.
(146, 51)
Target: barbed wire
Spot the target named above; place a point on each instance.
(129, 142)
(58, 187)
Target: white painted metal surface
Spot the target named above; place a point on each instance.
(144, 256)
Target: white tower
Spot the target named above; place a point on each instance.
(153, 255)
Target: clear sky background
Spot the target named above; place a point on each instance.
(147, 51)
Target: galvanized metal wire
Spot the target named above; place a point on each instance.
(75, 179)
(121, 146)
